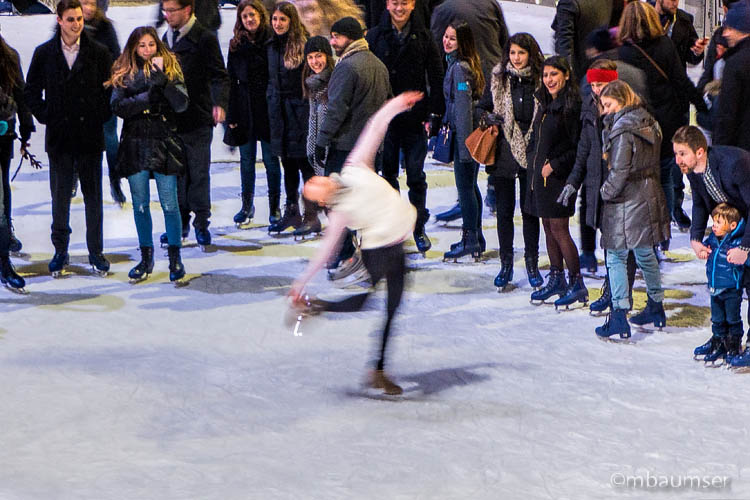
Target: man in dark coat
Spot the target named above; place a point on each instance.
(574, 20)
(375, 10)
(207, 12)
(678, 25)
(487, 23)
(413, 61)
(712, 52)
(198, 52)
(65, 91)
(732, 121)
(718, 174)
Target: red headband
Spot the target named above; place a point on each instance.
(601, 75)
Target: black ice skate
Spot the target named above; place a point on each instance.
(99, 265)
(145, 267)
(203, 237)
(10, 278)
(57, 264)
(244, 217)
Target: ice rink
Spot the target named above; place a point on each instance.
(116, 391)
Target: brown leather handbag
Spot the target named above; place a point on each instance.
(482, 144)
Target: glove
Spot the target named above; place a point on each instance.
(489, 119)
(565, 195)
(321, 154)
(116, 190)
(158, 77)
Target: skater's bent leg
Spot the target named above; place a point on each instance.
(396, 270)
(166, 185)
(139, 191)
(649, 264)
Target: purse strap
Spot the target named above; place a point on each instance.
(653, 63)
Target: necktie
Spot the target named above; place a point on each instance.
(175, 36)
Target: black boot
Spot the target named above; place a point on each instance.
(652, 313)
(291, 218)
(505, 275)
(556, 285)
(468, 245)
(14, 244)
(274, 214)
(310, 221)
(145, 266)
(247, 212)
(422, 241)
(176, 269)
(9, 277)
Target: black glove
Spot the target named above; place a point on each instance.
(489, 119)
(158, 77)
(321, 154)
(565, 194)
(116, 190)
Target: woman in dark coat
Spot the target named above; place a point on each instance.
(247, 115)
(634, 210)
(509, 104)
(148, 90)
(288, 109)
(551, 155)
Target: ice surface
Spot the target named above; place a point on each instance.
(115, 391)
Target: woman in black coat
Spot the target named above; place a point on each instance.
(148, 91)
(247, 115)
(508, 103)
(551, 155)
(288, 110)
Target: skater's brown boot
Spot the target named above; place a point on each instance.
(379, 380)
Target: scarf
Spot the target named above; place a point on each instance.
(503, 105)
(354, 47)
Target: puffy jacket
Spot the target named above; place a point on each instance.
(149, 139)
(634, 212)
(720, 273)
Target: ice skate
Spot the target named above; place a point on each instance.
(588, 262)
(164, 239)
(57, 264)
(14, 244)
(351, 271)
(291, 218)
(449, 215)
(600, 306)
(652, 313)
(99, 265)
(10, 278)
(244, 217)
(505, 276)
(422, 241)
(311, 225)
(700, 352)
(532, 270)
(575, 293)
(144, 268)
(203, 237)
(469, 245)
(556, 285)
(615, 327)
(176, 269)
(379, 380)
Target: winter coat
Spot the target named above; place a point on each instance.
(459, 104)
(149, 139)
(574, 20)
(25, 118)
(206, 78)
(710, 60)
(635, 77)
(415, 64)
(288, 110)
(522, 89)
(72, 103)
(732, 124)
(720, 273)
(317, 85)
(247, 67)
(590, 170)
(554, 139)
(634, 210)
(730, 166)
(487, 23)
(683, 36)
(206, 11)
(103, 31)
(670, 98)
(375, 11)
(358, 87)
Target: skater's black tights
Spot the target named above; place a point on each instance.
(292, 168)
(388, 263)
(560, 245)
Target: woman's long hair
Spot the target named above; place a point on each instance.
(9, 74)
(126, 66)
(622, 93)
(639, 22)
(294, 55)
(530, 45)
(570, 92)
(263, 32)
(467, 52)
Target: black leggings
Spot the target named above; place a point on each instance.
(388, 263)
(505, 203)
(292, 168)
(560, 245)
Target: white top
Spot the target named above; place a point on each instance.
(70, 52)
(372, 207)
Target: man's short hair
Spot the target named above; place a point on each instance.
(726, 212)
(692, 136)
(64, 5)
(187, 3)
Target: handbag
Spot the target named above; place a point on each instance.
(482, 144)
(443, 151)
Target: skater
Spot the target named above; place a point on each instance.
(717, 175)
(247, 115)
(553, 150)
(462, 87)
(360, 199)
(287, 108)
(68, 70)
(197, 50)
(508, 102)
(634, 211)
(12, 105)
(149, 90)
(724, 284)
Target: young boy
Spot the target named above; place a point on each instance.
(361, 200)
(724, 283)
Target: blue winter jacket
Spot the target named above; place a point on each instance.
(721, 274)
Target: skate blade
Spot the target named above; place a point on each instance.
(244, 224)
(507, 288)
(180, 283)
(99, 273)
(571, 307)
(699, 357)
(718, 363)
(598, 314)
(739, 369)
(135, 281)
(18, 291)
(59, 274)
(615, 339)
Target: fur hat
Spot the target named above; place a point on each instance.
(349, 27)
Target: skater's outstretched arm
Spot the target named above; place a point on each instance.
(332, 238)
(372, 136)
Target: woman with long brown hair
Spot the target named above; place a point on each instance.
(148, 90)
(288, 109)
(247, 114)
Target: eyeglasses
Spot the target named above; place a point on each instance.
(170, 11)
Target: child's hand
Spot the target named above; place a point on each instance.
(703, 254)
(701, 250)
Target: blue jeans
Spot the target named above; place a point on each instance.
(725, 313)
(618, 275)
(248, 155)
(166, 185)
(667, 181)
(111, 142)
(469, 196)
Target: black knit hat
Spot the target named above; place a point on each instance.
(318, 44)
(349, 27)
